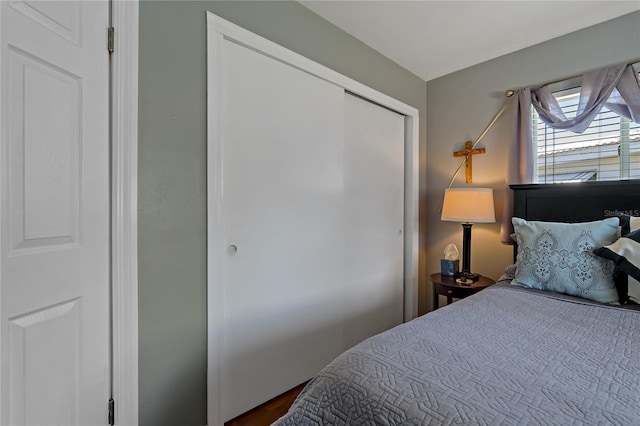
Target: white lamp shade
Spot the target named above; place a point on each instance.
(473, 205)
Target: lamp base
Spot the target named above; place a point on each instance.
(470, 276)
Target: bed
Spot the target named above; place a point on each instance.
(508, 355)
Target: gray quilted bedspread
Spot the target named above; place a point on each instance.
(505, 356)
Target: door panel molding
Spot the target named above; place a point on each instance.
(61, 324)
(44, 214)
(66, 25)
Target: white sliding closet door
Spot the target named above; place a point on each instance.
(307, 249)
(374, 212)
(282, 203)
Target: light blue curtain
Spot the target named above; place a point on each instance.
(616, 87)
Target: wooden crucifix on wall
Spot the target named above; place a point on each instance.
(468, 153)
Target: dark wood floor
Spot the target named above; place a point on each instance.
(268, 412)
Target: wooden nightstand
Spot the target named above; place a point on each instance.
(447, 286)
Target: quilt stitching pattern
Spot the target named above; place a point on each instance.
(500, 357)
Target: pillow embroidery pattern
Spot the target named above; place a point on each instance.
(559, 257)
(585, 270)
(545, 256)
(542, 257)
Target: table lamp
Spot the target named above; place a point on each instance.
(469, 206)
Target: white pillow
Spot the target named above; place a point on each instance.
(559, 257)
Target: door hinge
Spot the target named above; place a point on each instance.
(112, 412)
(110, 39)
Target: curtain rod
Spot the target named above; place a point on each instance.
(511, 92)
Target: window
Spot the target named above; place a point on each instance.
(608, 150)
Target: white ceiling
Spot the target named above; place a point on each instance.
(435, 38)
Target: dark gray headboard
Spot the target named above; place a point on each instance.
(576, 202)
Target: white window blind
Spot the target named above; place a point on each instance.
(608, 150)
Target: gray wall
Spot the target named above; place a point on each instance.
(172, 173)
(460, 106)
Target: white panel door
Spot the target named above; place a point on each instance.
(54, 226)
(282, 203)
(373, 237)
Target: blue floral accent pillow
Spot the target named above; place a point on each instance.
(559, 257)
